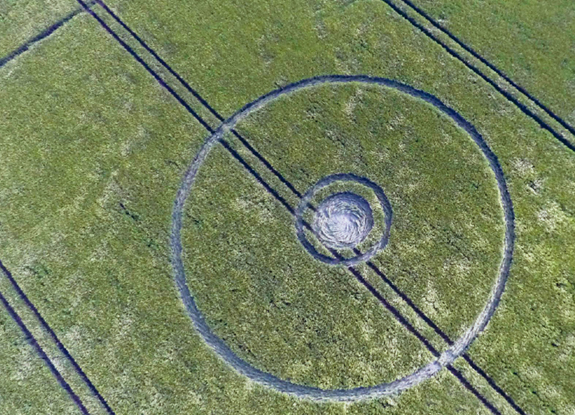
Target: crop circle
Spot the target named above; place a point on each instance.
(343, 220)
(326, 181)
(361, 393)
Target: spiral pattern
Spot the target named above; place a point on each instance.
(343, 220)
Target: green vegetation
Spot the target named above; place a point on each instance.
(446, 236)
(21, 20)
(93, 150)
(22, 370)
(277, 306)
(538, 51)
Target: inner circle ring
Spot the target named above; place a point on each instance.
(326, 181)
(361, 393)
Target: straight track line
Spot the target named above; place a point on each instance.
(41, 36)
(54, 337)
(270, 167)
(51, 30)
(394, 311)
(522, 107)
(444, 336)
(196, 95)
(3, 61)
(38, 349)
(490, 65)
(399, 317)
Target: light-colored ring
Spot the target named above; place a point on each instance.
(362, 393)
(326, 181)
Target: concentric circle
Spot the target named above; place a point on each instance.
(361, 393)
(304, 204)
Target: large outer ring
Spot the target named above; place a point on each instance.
(326, 181)
(362, 393)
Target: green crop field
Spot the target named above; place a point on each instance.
(304, 207)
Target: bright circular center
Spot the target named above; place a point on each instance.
(343, 220)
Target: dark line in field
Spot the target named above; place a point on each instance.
(394, 311)
(444, 336)
(55, 338)
(158, 58)
(506, 94)
(226, 145)
(175, 94)
(494, 385)
(172, 91)
(50, 30)
(267, 164)
(405, 323)
(196, 95)
(43, 35)
(399, 317)
(472, 389)
(409, 302)
(32, 341)
(3, 61)
(147, 67)
(491, 66)
(509, 215)
(258, 177)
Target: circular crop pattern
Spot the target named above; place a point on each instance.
(341, 220)
(351, 228)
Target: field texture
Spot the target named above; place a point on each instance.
(159, 249)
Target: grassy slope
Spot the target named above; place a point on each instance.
(21, 20)
(539, 47)
(127, 315)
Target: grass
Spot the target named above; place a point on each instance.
(21, 20)
(22, 370)
(387, 139)
(93, 151)
(329, 331)
(538, 54)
